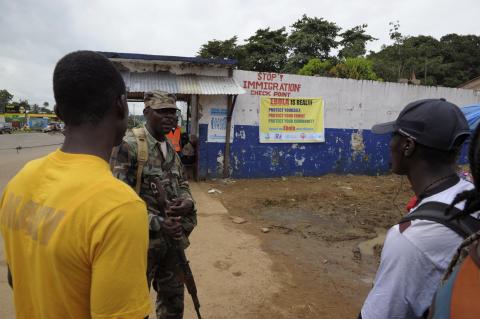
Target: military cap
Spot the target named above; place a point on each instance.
(157, 100)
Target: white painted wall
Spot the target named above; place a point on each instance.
(348, 103)
(206, 103)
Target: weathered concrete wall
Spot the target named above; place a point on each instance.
(348, 103)
(351, 108)
(172, 67)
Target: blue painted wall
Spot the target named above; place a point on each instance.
(250, 159)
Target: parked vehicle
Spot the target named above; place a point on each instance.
(5, 128)
(52, 127)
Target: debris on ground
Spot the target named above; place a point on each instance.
(238, 220)
(214, 190)
(265, 230)
(357, 254)
(228, 181)
(368, 280)
(285, 229)
(284, 178)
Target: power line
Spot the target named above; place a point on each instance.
(19, 147)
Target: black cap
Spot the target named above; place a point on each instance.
(434, 123)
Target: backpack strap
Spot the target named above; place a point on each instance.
(142, 154)
(436, 212)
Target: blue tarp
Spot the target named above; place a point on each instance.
(472, 113)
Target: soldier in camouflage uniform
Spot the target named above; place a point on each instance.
(160, 114)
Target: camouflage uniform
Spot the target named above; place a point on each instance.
(162, 263)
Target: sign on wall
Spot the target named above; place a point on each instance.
(271, 84)
(217, 126)
(291, 120)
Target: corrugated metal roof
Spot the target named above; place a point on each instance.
(143, 82)
(168, 58)
(473, 84)
(181, 84)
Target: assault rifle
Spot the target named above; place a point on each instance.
(185, 274)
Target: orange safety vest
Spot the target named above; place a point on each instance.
(174, 137)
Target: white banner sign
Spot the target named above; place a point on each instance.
(217, 126)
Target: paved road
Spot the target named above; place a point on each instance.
(10, 162)
(233, 274)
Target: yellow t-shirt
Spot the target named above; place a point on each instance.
(76, 240)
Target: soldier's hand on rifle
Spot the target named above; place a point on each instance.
(181, 207)
(172, 227)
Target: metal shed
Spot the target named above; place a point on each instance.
(189, 78)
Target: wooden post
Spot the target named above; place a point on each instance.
(226, 155)
(196, 132)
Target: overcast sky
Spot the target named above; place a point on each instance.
(34, 34)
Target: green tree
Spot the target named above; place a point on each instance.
(316, 67)
(421, 55)
(450, 61)
(24, 104)
(355, 68)
(354, 42)
(398, 39)
(461, 58)
(35, 108)
(266, 51)
(5, 98)
(388, 61)
(12, 107)
(395, 33)
(310, 38)
(15, 107)
(44, 109)
(218, 49)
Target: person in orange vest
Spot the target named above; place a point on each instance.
(174, 138)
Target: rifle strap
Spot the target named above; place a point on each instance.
(113, 157)
(142, 154)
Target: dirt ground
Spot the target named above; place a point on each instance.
(324, 235)
(315, 257)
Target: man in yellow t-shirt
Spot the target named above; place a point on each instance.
(76, 238)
